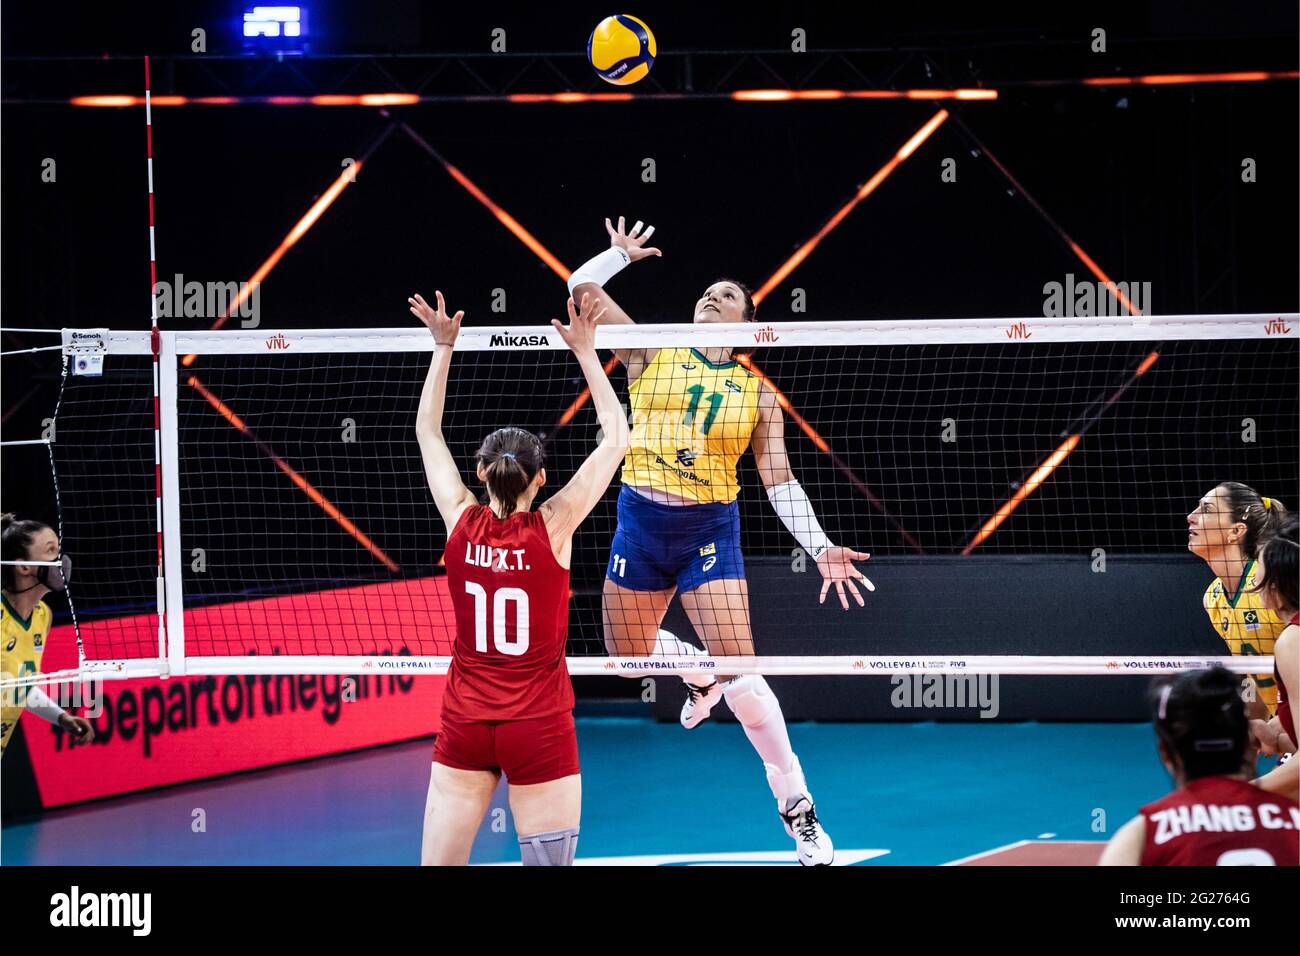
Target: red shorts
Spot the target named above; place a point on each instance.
(526, 751)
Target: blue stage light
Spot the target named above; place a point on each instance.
(275, 29)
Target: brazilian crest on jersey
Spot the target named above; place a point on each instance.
(1245, 625)
(692, 419)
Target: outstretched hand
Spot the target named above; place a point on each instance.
(445, 328)
(580, 334)
(836, 566)
(633, 243)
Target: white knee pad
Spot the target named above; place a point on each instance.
(554, 848)
(751, 700)
(668, 644)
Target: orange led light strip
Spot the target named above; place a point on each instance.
(1181, 79)
(1036, 478)
(303, 484)
(385, 100)
(865, 190)
(1044, 470)
(300, 228)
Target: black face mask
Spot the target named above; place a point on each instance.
(56, 578)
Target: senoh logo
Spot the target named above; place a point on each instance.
(277, 342)
(517, 341)
(1019, 330)
(766, 334)
(1276, 326)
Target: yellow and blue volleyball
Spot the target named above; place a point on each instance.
(621, 49)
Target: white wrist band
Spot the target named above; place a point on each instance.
(600, 269)
(792, 506)
(39, 703)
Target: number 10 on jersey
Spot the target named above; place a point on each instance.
(500, 634)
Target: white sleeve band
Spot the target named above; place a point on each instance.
(600, 269)
(795, 511)
(39, 703)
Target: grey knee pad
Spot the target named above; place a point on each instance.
(555, 848)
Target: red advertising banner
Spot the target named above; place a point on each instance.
(152, 732)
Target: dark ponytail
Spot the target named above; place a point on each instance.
(1280, 553)
(16, 544)
(1261, 516)
(511, 459)
(1200, 716)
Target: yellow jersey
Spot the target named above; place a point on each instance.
(692, 419)
(23, 643)
(1245, 625)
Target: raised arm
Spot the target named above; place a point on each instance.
(791, 504)
(449, 492)
(590, 278)
(566, 510)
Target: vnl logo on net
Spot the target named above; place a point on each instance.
(209, 300)
(76, 909)
(947, 691)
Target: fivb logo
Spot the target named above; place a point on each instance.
(103, 909)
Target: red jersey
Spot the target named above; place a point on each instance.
(1284, 698)
(511, 599)
(1222, 821)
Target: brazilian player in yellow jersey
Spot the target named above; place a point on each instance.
(694, 413)
(691, 421)
(25, 623)
(1225, 530)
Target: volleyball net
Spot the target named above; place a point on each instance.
(299, 534)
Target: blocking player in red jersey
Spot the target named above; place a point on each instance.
(1279, 587)
(1215, 817)
(508, 706)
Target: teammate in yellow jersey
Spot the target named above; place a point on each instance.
(1225, 530)
(25, 623)
(694, 413)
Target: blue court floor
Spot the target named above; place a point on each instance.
(652, 793)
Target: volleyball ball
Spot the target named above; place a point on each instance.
(621, 49)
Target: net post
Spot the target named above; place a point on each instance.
(169, 436)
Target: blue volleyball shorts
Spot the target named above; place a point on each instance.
(657, 545)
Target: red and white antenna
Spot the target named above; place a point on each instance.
(155, 341)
